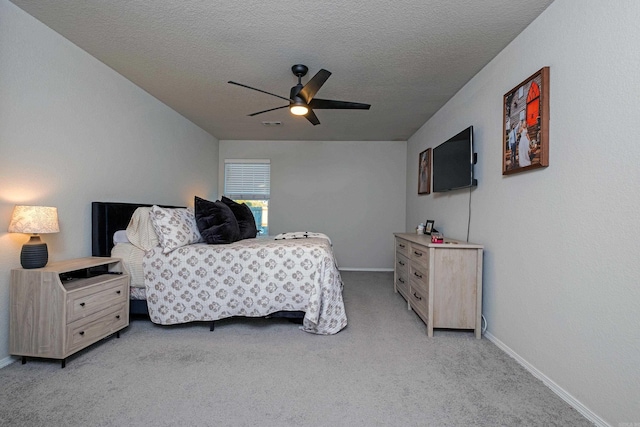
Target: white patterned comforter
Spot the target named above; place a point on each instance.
(253, 277)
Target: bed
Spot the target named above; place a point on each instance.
(260, 277)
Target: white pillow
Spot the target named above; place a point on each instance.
(175, 227)
(120, 236)
(140, 231)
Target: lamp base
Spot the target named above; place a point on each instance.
(34, 253)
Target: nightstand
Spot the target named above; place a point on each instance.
(66, 306)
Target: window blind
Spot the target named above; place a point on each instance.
(247, 179)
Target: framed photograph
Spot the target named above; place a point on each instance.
(424, 172)
(525, 136)
(428, 228)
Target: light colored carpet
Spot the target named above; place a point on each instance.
(382, 370)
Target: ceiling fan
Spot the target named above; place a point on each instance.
(301, 98)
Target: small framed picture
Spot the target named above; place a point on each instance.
(424, 172)
(428, 228)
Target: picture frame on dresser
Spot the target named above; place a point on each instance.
(428, 226)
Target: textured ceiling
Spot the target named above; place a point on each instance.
(406, 58)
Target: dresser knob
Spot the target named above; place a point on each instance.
(118, 316)
(118, 292)
(81, 332)
(82, 304)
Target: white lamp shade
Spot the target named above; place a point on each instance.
(34, 220)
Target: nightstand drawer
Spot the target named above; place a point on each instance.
(85, 302)
(86, 331)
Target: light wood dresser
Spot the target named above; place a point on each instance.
(66, 306)
(442, 282)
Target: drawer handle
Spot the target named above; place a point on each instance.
(118, 292)
(402, 246)
(82, 304)
(118, 316)
(400, 262)
(416, 253)
(417, 297)
(81, 332)
(419, 276)
(400, 279)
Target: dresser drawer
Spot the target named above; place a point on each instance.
(419, 254)
(402, 263)
(419, 275)
(402, 246)
(88, 330)
(402, 282)
(419, 302)
(86, 301)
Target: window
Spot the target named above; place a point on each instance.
(249, 181)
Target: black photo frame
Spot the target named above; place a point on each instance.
(428, 227)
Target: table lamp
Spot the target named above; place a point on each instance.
(34, 220)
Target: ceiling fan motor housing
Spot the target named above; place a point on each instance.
(294, 93)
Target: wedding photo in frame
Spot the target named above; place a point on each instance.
(525, 136)
(424, 172)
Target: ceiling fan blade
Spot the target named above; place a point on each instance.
(266, 111)
(309, 90)
(259, 90)
(329, 104)
(311, 116)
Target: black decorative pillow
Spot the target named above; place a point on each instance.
(216, 222)
(245, 218)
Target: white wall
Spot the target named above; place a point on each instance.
(73, 131)
(352, 191)
(561, 275)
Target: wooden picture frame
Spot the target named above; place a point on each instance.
(525, 120)
(424, 172)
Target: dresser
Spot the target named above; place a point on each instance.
(66, 306)
(441, 282)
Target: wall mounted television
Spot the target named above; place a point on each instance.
(453, 162)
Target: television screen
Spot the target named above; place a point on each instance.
(453, 163)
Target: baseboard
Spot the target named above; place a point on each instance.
(365, 269)
(562, 393)
(7, 361)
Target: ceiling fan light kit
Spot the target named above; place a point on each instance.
(299, 110)
(301, 98)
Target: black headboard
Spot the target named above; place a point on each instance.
(106, 219)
